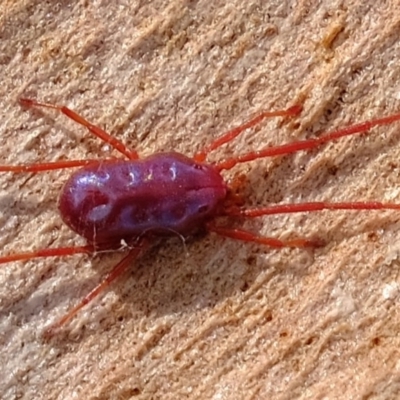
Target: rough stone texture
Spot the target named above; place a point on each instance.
(217, 319)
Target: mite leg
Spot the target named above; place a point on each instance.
(245, 236)
(289, 209)
(57, 252)
(308, 144)
(310, 207)
(117, 271)
(95, 130)
(47, 166)
(232, 134)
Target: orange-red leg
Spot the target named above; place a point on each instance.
(47, 166)
(95, 130)
(245, 236)
(232, 134)
(308, 144)
(310, 207)
(57, 252)
(117, 271)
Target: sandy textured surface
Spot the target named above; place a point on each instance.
(219, 319)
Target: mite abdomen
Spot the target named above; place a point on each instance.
(119, 200)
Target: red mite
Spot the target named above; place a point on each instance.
(113, 202)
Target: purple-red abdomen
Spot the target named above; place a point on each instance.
(166, 193)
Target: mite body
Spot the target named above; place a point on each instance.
(164, 194)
